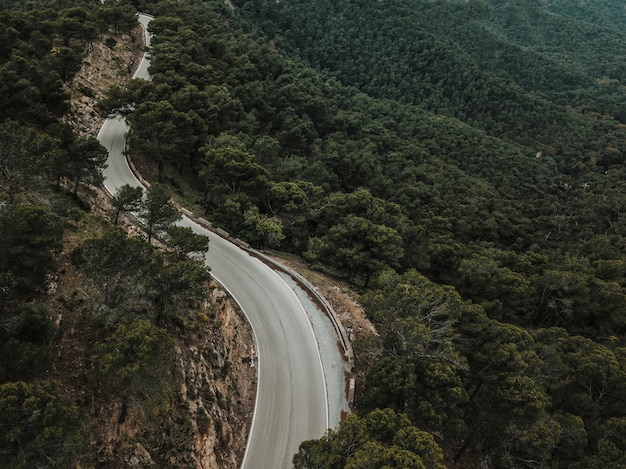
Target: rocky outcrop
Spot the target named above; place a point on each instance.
(107, 62)
(219, 385)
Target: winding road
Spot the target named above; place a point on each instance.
(292, 403)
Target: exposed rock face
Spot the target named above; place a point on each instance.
(207, 420)
(219, 386)
(103, 67)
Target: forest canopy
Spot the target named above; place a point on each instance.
(460, 163)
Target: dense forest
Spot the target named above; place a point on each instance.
(461, 163)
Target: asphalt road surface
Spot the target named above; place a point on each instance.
(292, 403)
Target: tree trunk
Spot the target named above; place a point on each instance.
(160, 170)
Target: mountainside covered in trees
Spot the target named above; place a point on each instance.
(113, 351)
(462, 163)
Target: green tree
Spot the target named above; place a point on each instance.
(573, 440)
(373, 455)
(28, 361)
(175, 287)
(263, 230)
(157, 210)
(31, 322)
(585, 378)
(358, 246)
(25, 334)
(117, 265)
(420, 370)
(162, 132)
(119, 15)
(75, 23)
(24, 158)
(417, 317)
(187, 243)
(86, 160)
(137, 363)
(504, 293)
(429, 392)
(126, 199)
(29, 236)
(287, 197)
(361, 202)
(610, 449)
(39, 429)
(229, 169)
(508, 411)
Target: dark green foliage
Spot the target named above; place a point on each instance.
(477, 143)
(428, 391)
(230, 170)
(38, 428)
(379, 439)
(137, 361)
(126, 199)
(117, 266)
(41, 49)
(28, 237)
(27, 361)
(499, 391)
(584, 378)
(357, 246)
(467, 72)
(120, 15)
(157, 210)
(176, 286)
(26, 332)
(134, 280)
(162, 132)
(508, 413)
(187, 243)
(42, 45)
(85, 161)
(32, 323)
(472, 144)
(26, 158)
(420, 370)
